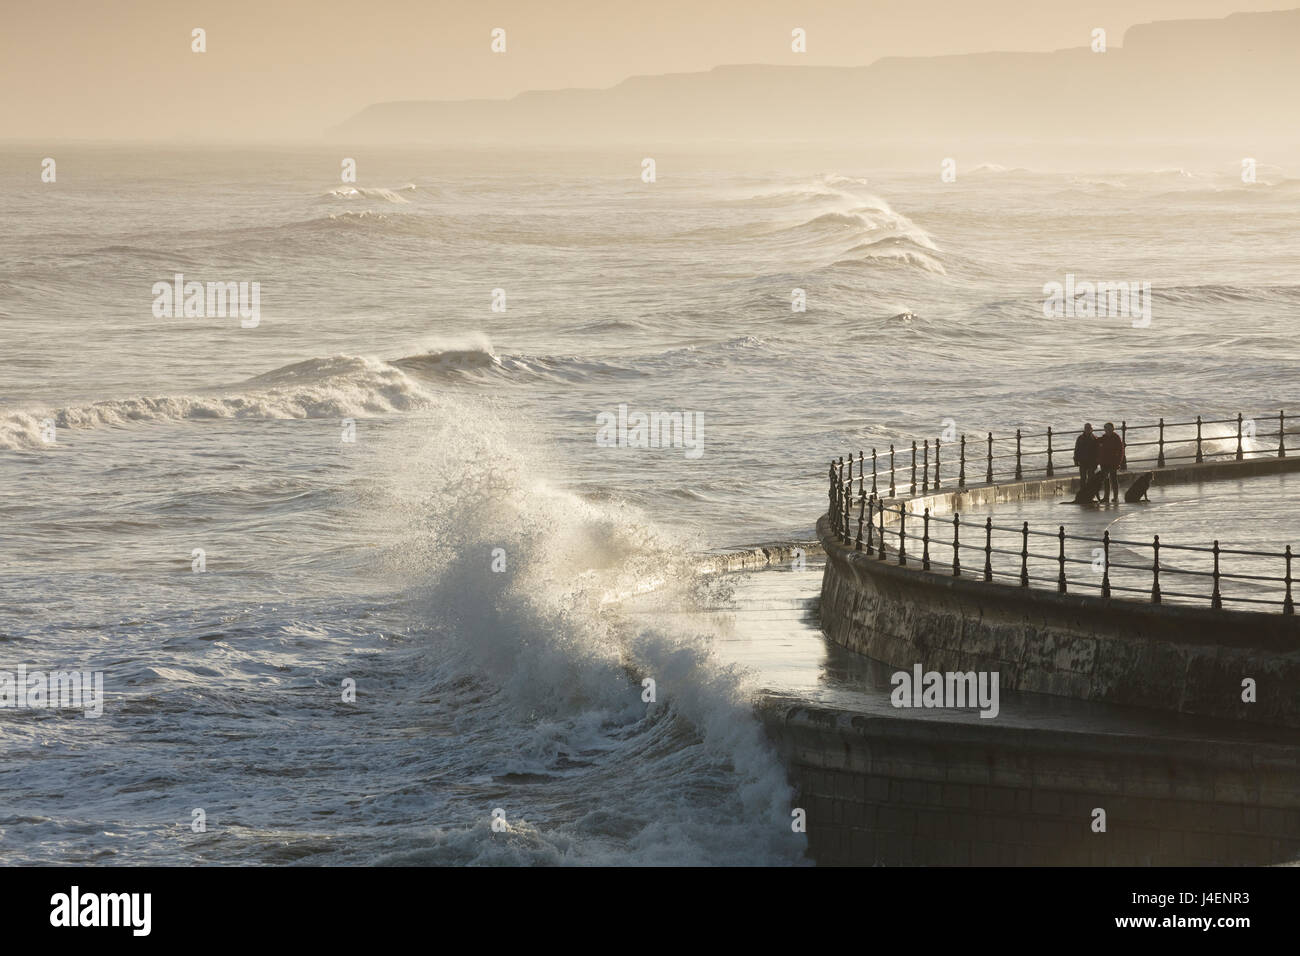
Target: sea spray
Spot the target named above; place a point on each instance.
(697, 780)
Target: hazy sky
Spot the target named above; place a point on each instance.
(89, 69)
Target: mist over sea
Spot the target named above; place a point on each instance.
(371, 560)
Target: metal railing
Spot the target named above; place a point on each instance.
(1171, 442)
(1145, 567)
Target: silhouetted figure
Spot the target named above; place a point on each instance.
(1085, 454)
(1110, 448)
(1138, 490)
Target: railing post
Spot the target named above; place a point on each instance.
(925, 541)
(1105, 564)
(1123, 438)
(961, 475)
(1199, 457)
(891, 470)
(1287, 606)
(842, 523)
(848, 512)
(925, 469)
(1160, 457)
(871, 509)
(1155, 570)
(831, 506)
(862, 513)
(850, 475)
(862, 475)
(840, 520)
(1281, 433)
(1216, 600)
(988, 549)
(873, 471)
(913, 491)
(1050, 470)
(936, 464)
(1060, 581)
(902, 534)
(836, 470)
(1239, 436)
(989, 479)
(956, 545)
(1019, 473)
(1024, 556)
(882, 531)
(835, 498)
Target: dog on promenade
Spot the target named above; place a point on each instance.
(1089, 490)
(1138, 490)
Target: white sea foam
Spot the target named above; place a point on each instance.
(335, 387)
(568, 667)
(370, 192)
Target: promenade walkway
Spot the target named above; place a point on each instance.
(1246, 514)
(768, 627)
(1215, 533)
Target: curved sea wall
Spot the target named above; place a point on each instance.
(903, 791)
(1162, 656)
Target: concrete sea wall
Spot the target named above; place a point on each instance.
(1166, 657)
(904, 788)
(892, 791)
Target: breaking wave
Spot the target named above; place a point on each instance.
(364, 192)
(893, 250)
(338, 386)
(538, 665)
(853, 227)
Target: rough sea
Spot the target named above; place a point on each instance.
(388, 484)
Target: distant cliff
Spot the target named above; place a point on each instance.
(1235, 80)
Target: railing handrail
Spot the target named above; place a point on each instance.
(1125, 429)
(873, 506)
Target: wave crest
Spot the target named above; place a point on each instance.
(878, 234)
(341, 386)
(371, 192)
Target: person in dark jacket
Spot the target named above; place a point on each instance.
(1085, 454)
(1110, 457)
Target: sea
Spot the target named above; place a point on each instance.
(350, 562)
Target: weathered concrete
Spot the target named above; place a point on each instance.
(883, 790)
(1168, 657)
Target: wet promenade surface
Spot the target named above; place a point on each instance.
(1248, 514)
(768, 626)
